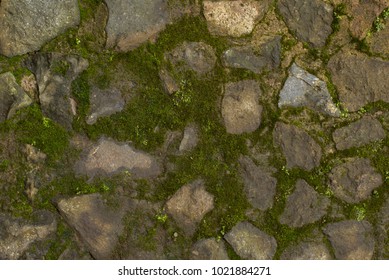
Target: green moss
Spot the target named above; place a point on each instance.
(62, 241)
(338, 13)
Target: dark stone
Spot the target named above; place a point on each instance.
(209, 249)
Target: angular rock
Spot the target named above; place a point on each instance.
(379, 42)
(259, 185)
(354, 180)
(12, 96)
(233, 18)
(310, 20)
(168, 82)
(300, 150)
(25, 26)
(351, 240)
(359, 133)
(190, 139)
(131, 23)
(108, 157)
(209, 249)
(241, 111)
(104, 103)
(307, 251)
(256, 59)
(303, 89)
(251, 243)
(189, 205)
(359, 79)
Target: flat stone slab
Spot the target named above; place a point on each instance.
(307, 250)
(209, 249)
(303, 89)
(190, 138)
(251, 243)
(354, 180)
(379, 42)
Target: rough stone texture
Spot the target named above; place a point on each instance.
(383, 231)
(304, 206)
(299, 148)
(209, 249)
(379, 42)
(358, 133)
(354, 180)
(189, 205)
(25, 25)
(359, 79)
(351, 240)
(233, 18)
(310, 20)
(255, 58)
(107, 157)
(307, 251)
(55, 73)
(12, 96)
(131, 23)
(241, 111)
(168, 82)
(304, 89)
(190, 139)
(16, 235)
(259, 185)
(104, 103)
(251, 243)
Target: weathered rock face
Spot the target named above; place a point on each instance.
(307, 251)
(382, 236)
(354, 180)
(303, 89)
(259, 185)
(12, 96)
(359, 79)
(107, 157)
(310, 20)
(131, 23)
(251, 243)
(359, 133)
(240, 108)
(168, 82)
(189, 205)
(379, 42)
(25, 25)
(190, 139)
(233, 18)
(209, 249)
(351, 240)
(299, 148)
(304, 206)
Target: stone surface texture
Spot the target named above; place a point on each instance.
(307, 250)
(209, 249)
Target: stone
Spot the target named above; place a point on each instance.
(55, 73)
(108, 157)
(168, 82)
(354, 180)
(255, 58)
(299, 148)
(310, 20)
(303, 89)
(25, 26)
(189, 205)
(241, 110)
(379, 42)
(12, 96)
(190, 139)
(351, 240)
(382, 235)
(259, 185)
(359, 133)
(307, 250)
(131, 23)
(251, 243)
(209, 249)
(233, 18)
(359, 79)
(304, 206)
(104, 103)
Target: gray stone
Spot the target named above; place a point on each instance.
(360, 79)
(251, 243)
(131, 23)
(259, 185)
(241, 111)
(359, 133)
(12, 96)
(303, 89)
(104, 103)
(189, 205)
(209, 249)
(354, 180)
(307, 250)
(190, 139)
(108, 157)
(168, 82)
(379, 42)
(310, 20)
(351, 240)
(26, 25)
(382, 235)
(253, 58)
(299, 148)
